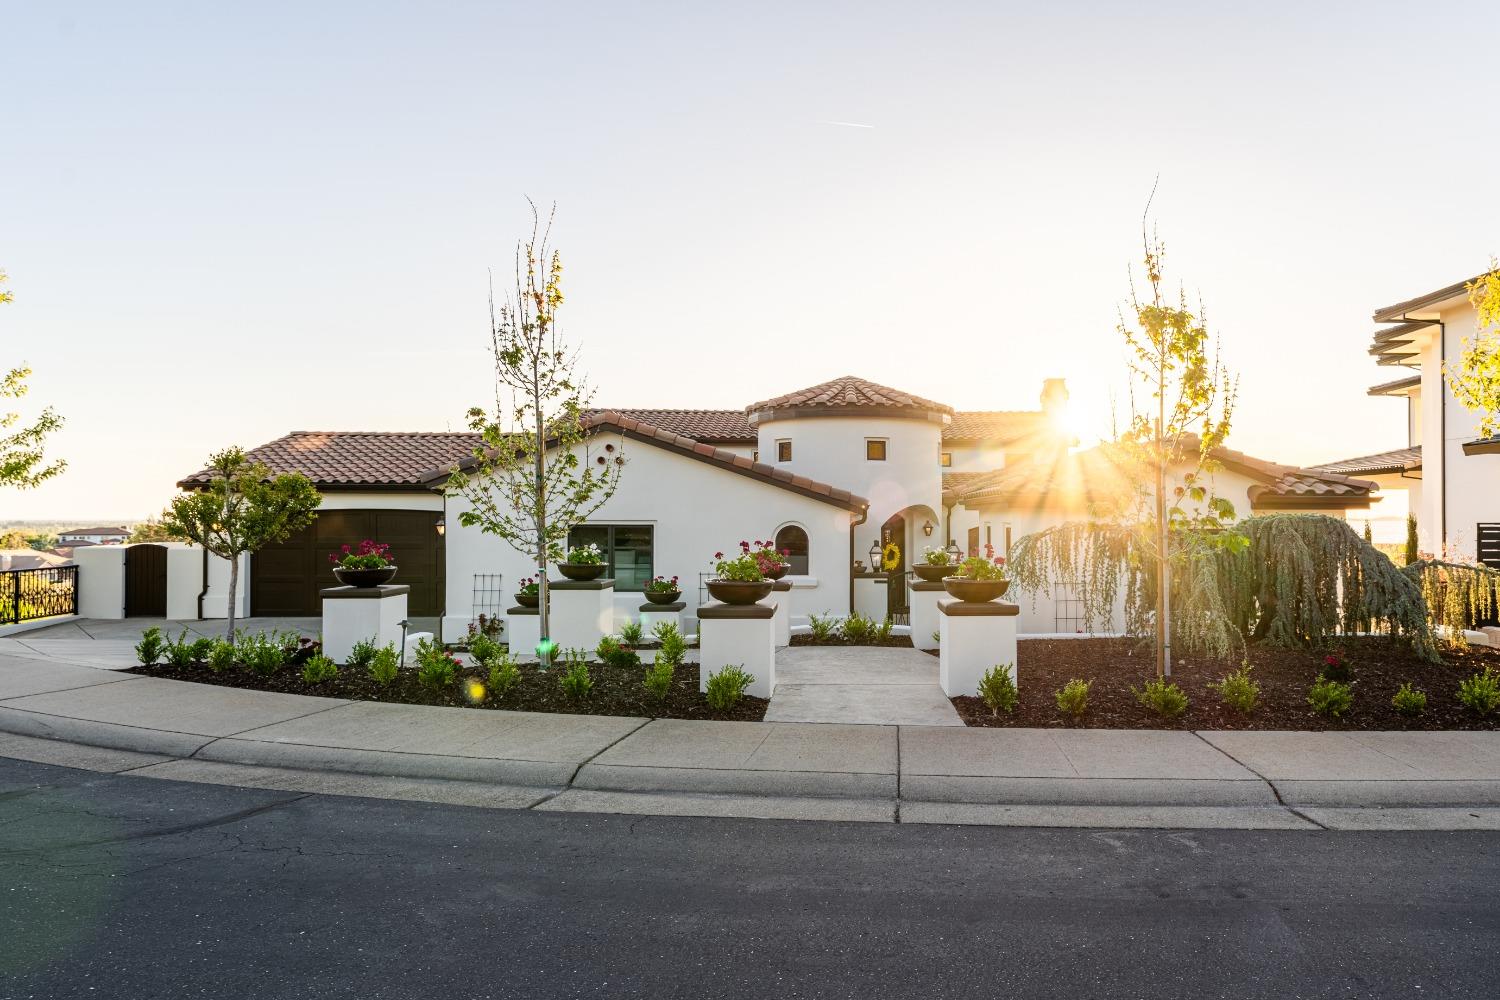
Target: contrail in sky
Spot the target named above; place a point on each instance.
(848, 124)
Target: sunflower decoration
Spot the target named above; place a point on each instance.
(890, 556)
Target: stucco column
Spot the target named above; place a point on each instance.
(976, 635)
(781, 600)
(523, 630)
(353, 614)
(738, 635)
(925, 621)
(583, 612)
(654, 614)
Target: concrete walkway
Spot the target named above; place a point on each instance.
(55, 712)
(872, 686)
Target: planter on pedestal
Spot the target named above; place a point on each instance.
(931, 572)
(740, 592)
(529, 600)
(974, 591)
(663, 596)
(364, 577)
(582, 571)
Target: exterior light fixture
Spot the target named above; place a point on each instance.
(953, 550)
(441, 526)
(875, 556)
(927, 528)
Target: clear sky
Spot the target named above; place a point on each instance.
(224, 222)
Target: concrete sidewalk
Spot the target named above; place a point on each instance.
(58, 712)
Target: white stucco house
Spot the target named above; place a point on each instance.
(108, 535)
(830, 472)
(1452, 478)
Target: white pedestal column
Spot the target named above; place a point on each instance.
(742, 635)
(653, 614)
(872, 598)
(523, 630)
(352, 614)
(583, 612)
(975, 637)
(781, 600)
(925, 623)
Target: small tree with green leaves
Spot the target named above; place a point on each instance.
(1474, 376)
(23, 457)
(533, 477)
(241, 509)
(1412, 553)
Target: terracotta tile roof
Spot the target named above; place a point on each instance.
(956, 484)
(708, 426)
(352, 459)
(111, 530)
(640, 430)
(1397, 460)
(1098, 473)
(849, 392)
(995, 425)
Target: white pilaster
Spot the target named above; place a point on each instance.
(353, 614)
(742, 636)
(975, 637)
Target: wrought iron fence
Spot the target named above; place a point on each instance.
(29, 594)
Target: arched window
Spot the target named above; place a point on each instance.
(793, 540)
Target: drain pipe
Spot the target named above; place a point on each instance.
(204, 592)
(864, 515)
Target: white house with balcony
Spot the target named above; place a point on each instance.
(1450, 475)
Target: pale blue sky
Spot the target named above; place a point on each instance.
(223, 223)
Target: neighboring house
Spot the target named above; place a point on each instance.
(833, 473)
(29, 559)
(93, 536)
(1451, 477)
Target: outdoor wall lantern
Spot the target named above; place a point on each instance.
(927, 528)
(441, 526)
(953, 550)
(875, 556)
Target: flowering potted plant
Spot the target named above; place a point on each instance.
(979, 578)
(660, 590)
(583, 563)
(773, 565)
(369, 565)
(935, 564)
(529, 596)
(740, 579)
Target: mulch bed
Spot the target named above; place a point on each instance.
(1115, 665)
(616, 690)
(837, 640)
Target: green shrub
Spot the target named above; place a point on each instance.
(436, 669)
(263, 652)
(385, 665)
(661, 630)
(1162, 697)
(484, 648)
(607, 647)
(1480, 693)
(673, 647)
(576, 682)
(504, 675)
(857, 629)
(363, 653)
(1409, 700)
(937, 637)
(998, 689)
(1073, 697)
(1238, 690)
(659, 676)
(624, 659)
(318, 669)
(221, 656)
(179, 651)
(822, 627)
(727, 687)
(1331, 698)
(149, 649)
(883, 630)
(631, 634)
(202, 646)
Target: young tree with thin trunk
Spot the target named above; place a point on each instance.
(241, 509)
(1474, 377)
(23, 457)
(526, 481)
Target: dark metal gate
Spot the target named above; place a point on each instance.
(146, 581)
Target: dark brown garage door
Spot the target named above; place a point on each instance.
(285, 578)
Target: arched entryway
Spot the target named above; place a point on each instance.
(146, 581)
(893, 541)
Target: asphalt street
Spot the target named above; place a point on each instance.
(119, 886)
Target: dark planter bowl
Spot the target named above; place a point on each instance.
(363, 577)
(663, 596)
(778, 572)
(528, 600)
(739, 592)
(931, 572)
(974, 591)
(582, 571)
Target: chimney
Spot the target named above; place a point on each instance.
(1055, 398)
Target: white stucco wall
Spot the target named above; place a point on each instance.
(831, 449)
(695, 509)
(1473, 481)
(101, 581)
(975, 458)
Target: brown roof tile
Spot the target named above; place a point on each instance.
(708, 426)
(1397, 460)
(848, 392)
(351, 459)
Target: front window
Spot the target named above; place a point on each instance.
(627, 550)
(946, 459)
(875, 449)
(793, 541)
